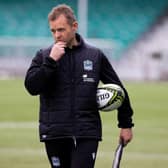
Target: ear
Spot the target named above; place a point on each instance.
(75, 26)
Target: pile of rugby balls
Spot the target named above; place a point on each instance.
(110, 97)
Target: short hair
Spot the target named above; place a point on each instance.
(62, 9)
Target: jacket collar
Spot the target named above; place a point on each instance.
(79, 40)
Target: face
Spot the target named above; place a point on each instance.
(62, 31)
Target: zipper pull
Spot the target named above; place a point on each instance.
(74, 139)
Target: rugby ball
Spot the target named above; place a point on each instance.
(109, 97)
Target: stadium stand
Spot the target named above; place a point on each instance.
(122, 21)
(118, 20)
(111, 25)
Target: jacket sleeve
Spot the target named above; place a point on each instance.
(39, 73)
(108, 75)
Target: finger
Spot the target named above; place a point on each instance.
(61, 43)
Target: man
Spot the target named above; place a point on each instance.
(66, 76)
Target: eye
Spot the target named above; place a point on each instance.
(60, 30)
(53, 31)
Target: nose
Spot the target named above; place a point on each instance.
(57, 35)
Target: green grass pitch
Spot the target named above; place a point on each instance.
(20, 146)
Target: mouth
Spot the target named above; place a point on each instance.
(59, 40)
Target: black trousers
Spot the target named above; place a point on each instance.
(72, 153)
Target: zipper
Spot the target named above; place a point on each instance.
(72, 72)
(72, 81)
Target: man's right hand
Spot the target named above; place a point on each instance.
(58, 50)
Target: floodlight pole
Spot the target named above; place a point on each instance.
(82, 17)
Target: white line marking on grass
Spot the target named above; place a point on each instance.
(136, 155)
(18, 125)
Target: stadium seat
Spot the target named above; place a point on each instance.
(26, 18)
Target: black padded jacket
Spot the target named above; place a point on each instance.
(67, 90)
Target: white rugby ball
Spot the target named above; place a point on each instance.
(109, 97)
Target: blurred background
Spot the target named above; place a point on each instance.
(131, 33)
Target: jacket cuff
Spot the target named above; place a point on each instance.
(50, 62)
(127, 124)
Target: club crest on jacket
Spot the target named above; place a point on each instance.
(88, 65)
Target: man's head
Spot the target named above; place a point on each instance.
(63, 24)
